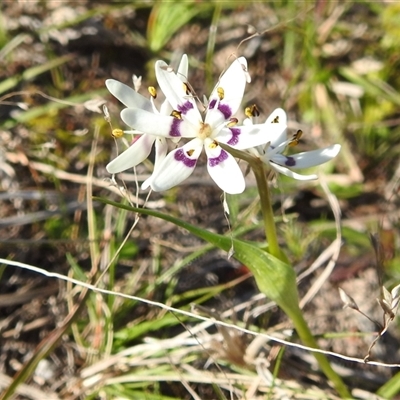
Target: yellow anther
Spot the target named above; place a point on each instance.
(252, 111)
(190, 152)
(117, 133)
(247, 112)
(213, 145)
(186, 88)
(232, 122)
(221, 93)
(176, 114)
(153, 92)
(296, 138)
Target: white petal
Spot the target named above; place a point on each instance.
(183, 68)
(233, 83)
(146, 183)
(177, 166)
(216, 119)
(312, 158)
(291, 174)
(276, 125)
(175, 92)
(127, 96)
(224, 169)
(134, 155)
(155, 124)
(247, 136)
(166, 108)
(161, 149)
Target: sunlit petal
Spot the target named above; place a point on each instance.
(159, 125)
(134, 155)
(127, 96)
(183, 68)
(165, 108)
(291, 174)
(315, 157)
(247, 136)
(276, 125)
(216, 119)
(308, 158)
(175, 92)
(224, 169)
(161, 148)
(177, 166)
(233, 83)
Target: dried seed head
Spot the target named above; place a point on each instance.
(347, 300)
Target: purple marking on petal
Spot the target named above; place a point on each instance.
(181, 156)
(235, 136)
(213, 162)
(175, 131)
(184, 108)
(212, 104)
(225, 110)
(290, 162)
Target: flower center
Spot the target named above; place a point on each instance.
(205, 131)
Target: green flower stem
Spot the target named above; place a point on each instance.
(293, 311)
(266, 209)
(276, 279)
(266, 206)
(308, 340)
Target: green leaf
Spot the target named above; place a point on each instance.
(274, 278)
(167, 18)
(390, 388)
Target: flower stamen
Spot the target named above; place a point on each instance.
(117, 133)
(187, 88)
(221, 93)
(153, 92)
(176, 114)
(296, 138)
(213, 144)
(232, 122)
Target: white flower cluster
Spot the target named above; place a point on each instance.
(179, 117)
